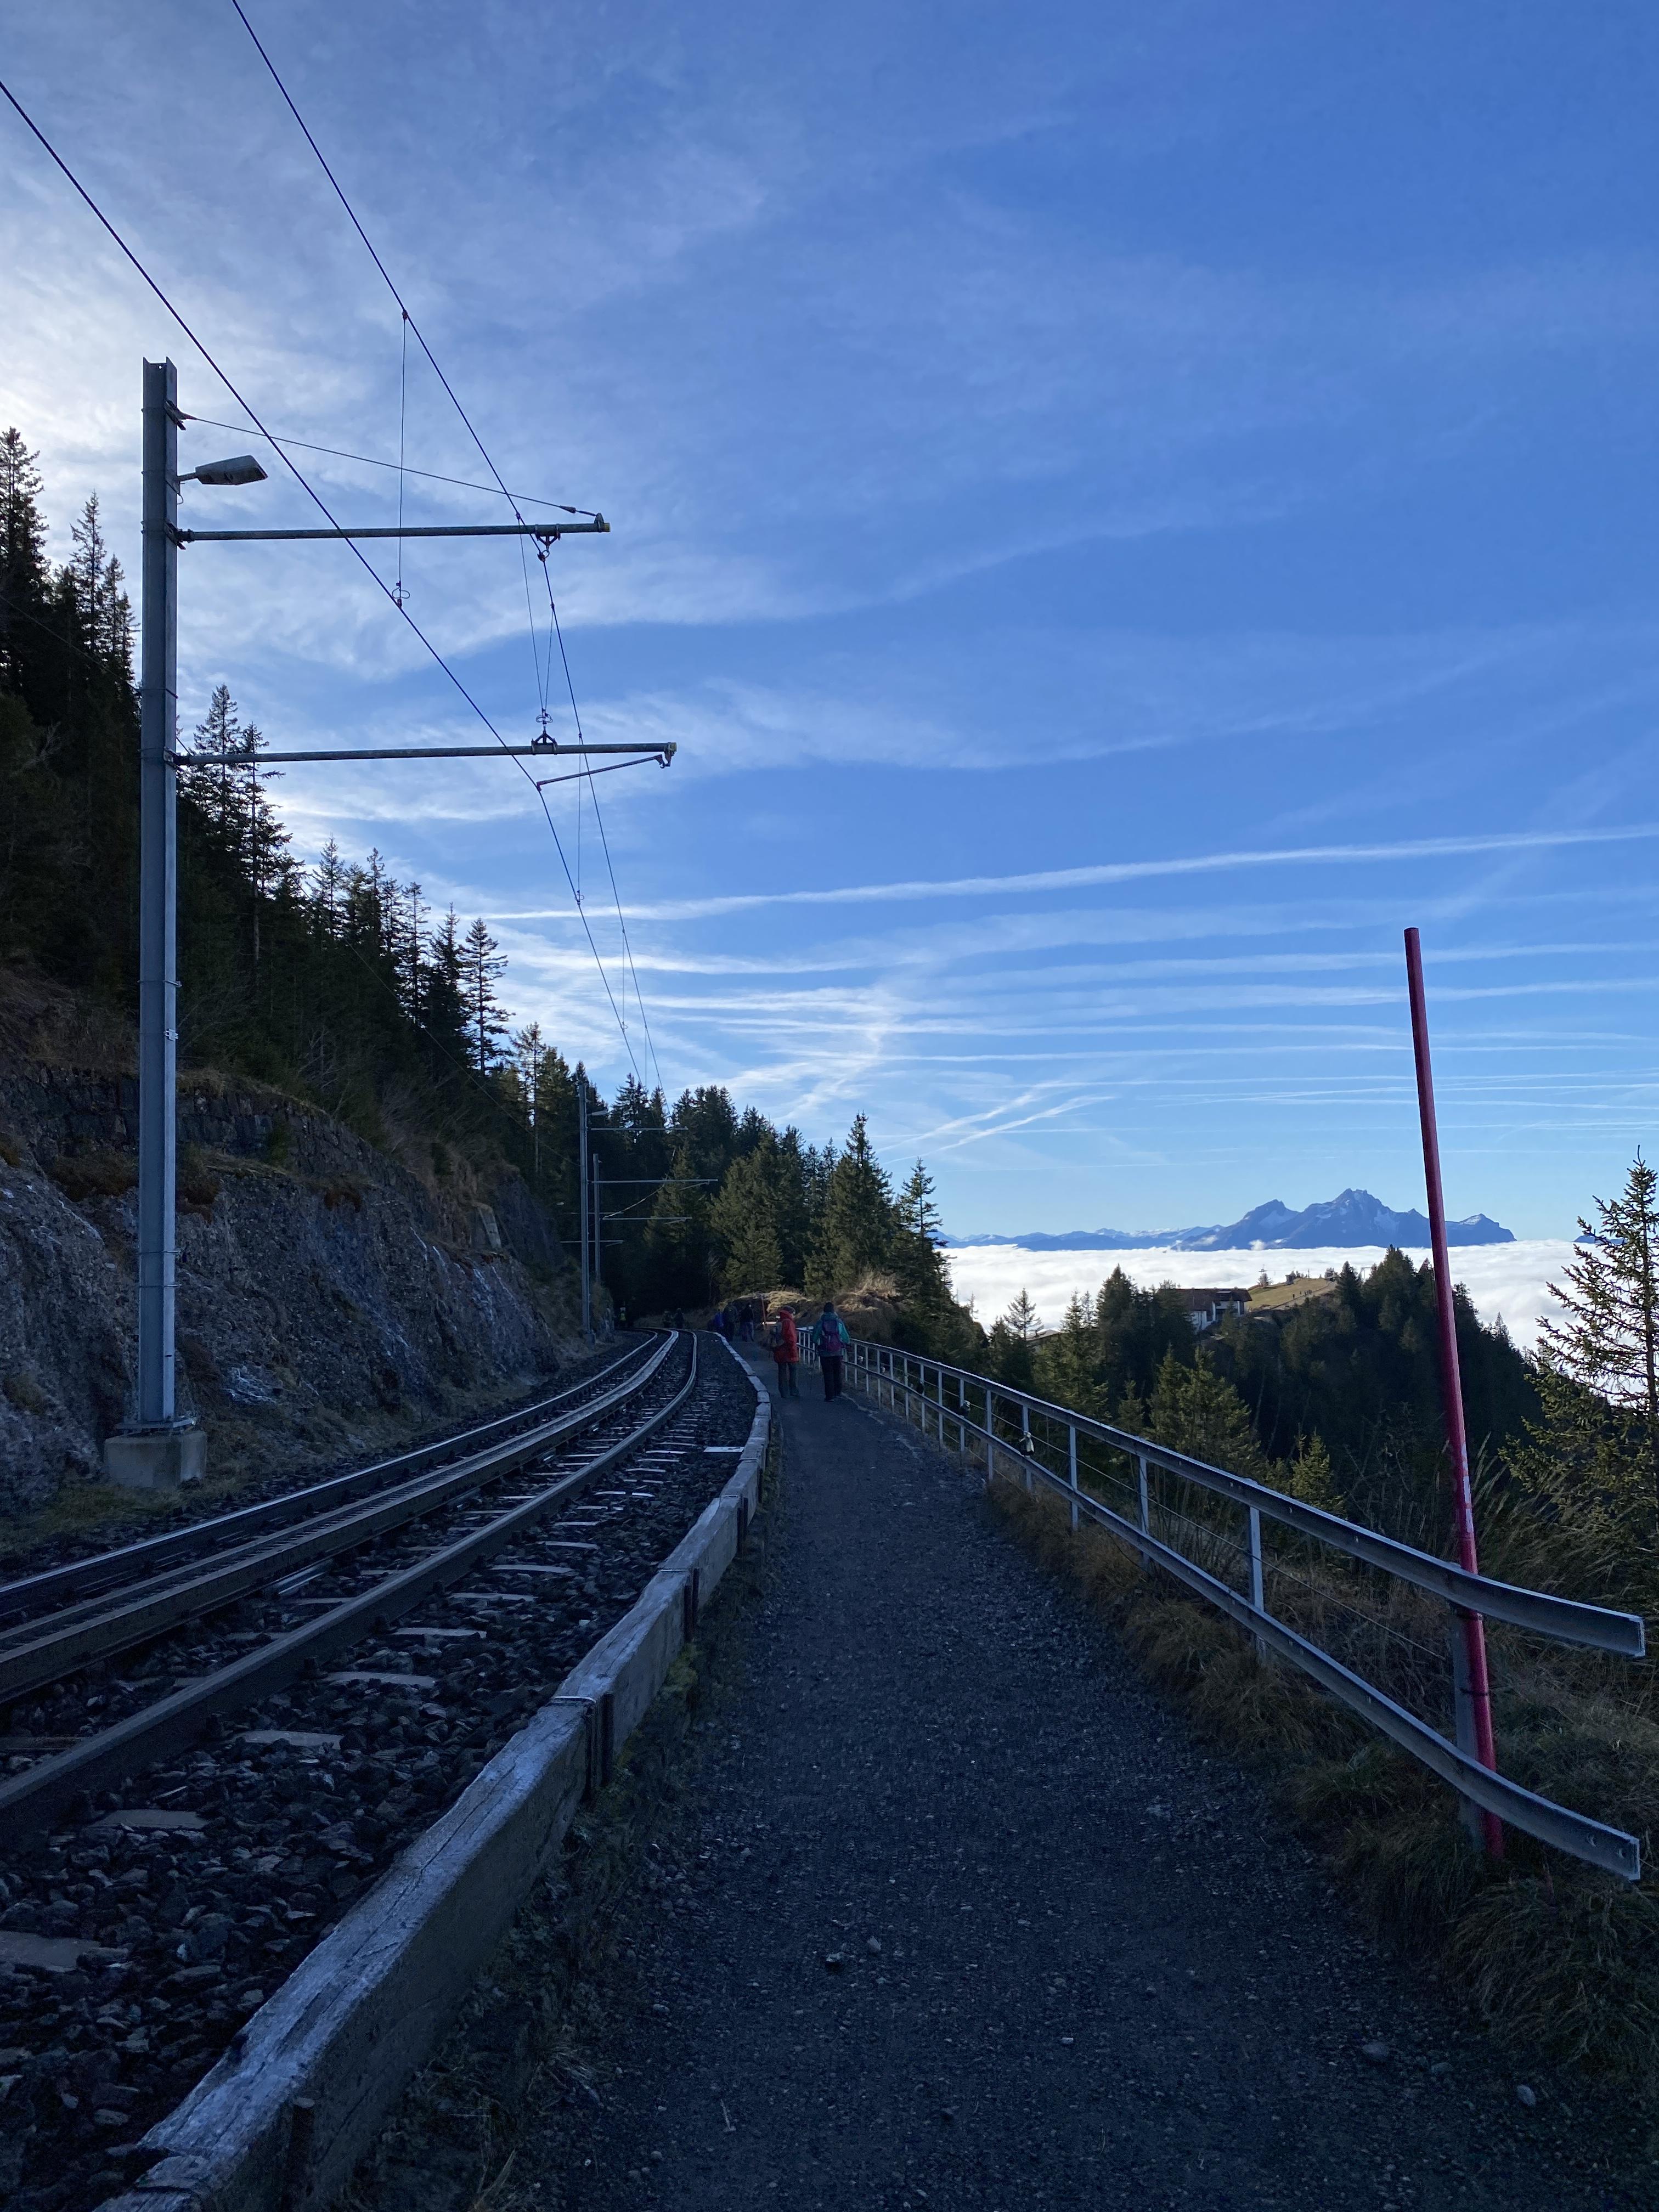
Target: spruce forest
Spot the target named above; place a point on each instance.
(336, 982)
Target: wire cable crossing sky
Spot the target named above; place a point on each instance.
(1119, 521)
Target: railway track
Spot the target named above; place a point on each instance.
(75, 1579)
(130, 1597)
(268, 1712)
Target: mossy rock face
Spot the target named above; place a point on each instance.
(335, 1289)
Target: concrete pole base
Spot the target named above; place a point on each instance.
(160, 1460)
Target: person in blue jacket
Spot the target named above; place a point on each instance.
(833, 1345)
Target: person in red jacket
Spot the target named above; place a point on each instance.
(785, 1349)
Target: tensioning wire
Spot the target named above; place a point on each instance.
(541, 680)
(372, 461)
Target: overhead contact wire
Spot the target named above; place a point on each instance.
(621, 925)
(368, 246)
(315, 496)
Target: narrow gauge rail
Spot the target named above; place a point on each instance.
(598, 1431)
(139, 1933)
(75, 1579)
(144, 1605)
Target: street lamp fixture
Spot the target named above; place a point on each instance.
(239, 469)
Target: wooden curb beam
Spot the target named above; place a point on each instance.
(284, 2117)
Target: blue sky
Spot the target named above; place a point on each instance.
(1122, 511)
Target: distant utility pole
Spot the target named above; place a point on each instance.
(160, 1446)
(581, 1202)
(599, 1230)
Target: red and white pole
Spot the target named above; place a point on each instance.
(1478, 1686)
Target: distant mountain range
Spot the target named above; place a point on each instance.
(1355, 1217)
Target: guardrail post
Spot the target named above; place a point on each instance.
(1474, 1816)
(1253, 1513)
(1146, 1505)
(1025, 1446)
(1070, 1440)
(962, 1415)
(990, 1432)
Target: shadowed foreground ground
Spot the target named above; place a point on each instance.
(960, 1917)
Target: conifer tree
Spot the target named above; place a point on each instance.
(1610, 1338)
(529, 1052)
(446, 1001)
(1312, 1478)
(744, 1220)
(22, 549)
(860, 1221)
(1196, 1411)
(263, 838)
(1066, 1362)
(917, 1211)
(327, 889)
(212, 786)
(1607, 1342)
(482, 967)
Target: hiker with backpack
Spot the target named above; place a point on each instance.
(786, 1351)
(834, 1345)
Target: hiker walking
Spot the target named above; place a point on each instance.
(786, 1351)
(834, 1344)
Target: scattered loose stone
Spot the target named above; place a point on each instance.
(1376, 2053)
(151, 1819)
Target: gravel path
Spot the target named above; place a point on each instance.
(962, 1918)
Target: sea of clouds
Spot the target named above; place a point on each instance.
(1507, 1282)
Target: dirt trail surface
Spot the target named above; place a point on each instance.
(961, 1917)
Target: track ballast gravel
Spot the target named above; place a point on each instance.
(294, 1806)
(962, 1918)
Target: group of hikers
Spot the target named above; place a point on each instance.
(736, 1322)
(739, 1322)
(830, 1340)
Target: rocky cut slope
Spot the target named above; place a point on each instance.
(330, 1298)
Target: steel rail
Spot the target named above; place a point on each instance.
(65, 1642)
(1611, 1849)
(1597, 1628)
(80, 1578)
(30, 1800)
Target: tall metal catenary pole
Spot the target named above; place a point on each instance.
(598, 1218)
(1474, 1729)
(581, 1184)
(158, 1447)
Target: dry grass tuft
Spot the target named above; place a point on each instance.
(1569, 1968)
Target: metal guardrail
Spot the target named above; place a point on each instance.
(879, 1370)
